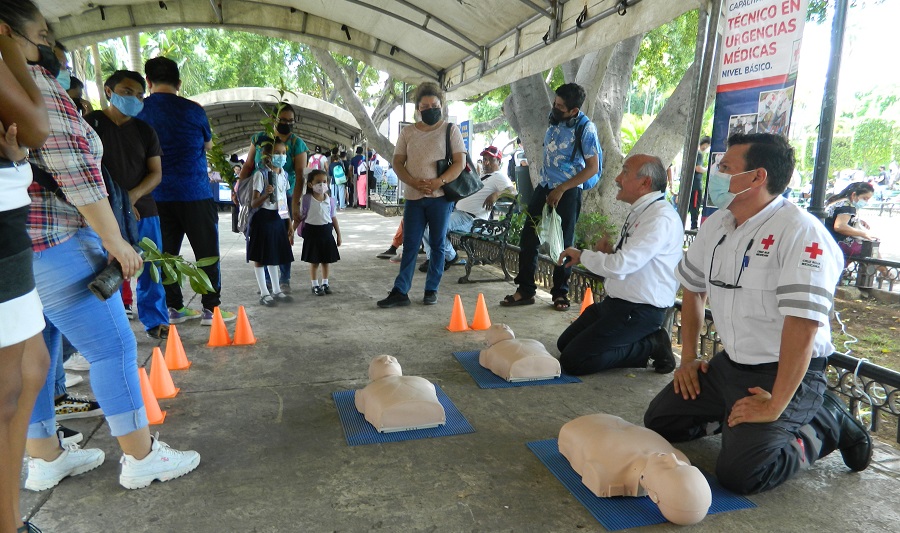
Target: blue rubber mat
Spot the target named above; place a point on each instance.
(488, 380)
(623, 512)
(358, 431)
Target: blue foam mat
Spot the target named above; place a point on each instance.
(488, 380)
(359, 431)
(623, 512)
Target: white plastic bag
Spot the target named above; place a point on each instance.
(550, 233)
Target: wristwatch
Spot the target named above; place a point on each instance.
(442, 181)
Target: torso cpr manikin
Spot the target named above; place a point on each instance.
(516, 359)
(616, 458)
(394, 402)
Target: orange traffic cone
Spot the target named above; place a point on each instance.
(218, 334)
(154, 415)
(176, 359)
(482, 320)
(458, 317)
(160, 379)
(243, 333)
(587, 301)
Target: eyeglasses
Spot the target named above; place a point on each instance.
(744, 261)
(287, 121)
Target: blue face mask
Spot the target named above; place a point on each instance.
(65, 79)
(278, 160)
(718, 186)
(128, 105)
(859, 204)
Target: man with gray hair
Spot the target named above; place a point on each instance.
(623, 330)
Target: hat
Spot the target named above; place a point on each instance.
(492, 151)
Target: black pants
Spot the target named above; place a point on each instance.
(609, 334)
(754, 457)
(569, 208)
(199, 221)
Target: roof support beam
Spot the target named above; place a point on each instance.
(542, 10)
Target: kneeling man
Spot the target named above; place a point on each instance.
(623, 330)
(770, 292)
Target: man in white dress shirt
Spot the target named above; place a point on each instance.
(623, 330)
(769, 270)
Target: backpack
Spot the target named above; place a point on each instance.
(304, 211)
(579, 132)
(244, 198)
(338, 174)
(118, 200)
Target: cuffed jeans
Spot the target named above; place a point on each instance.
(417, 214)
(459, 221)
(99, 329)
(569, 209)
(151, 295)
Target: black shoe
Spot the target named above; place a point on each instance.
(326, 289)
(268, 300)
(430, 298)
(387, 254)
(395, 299)
(662, 357)
(68, 435)
(283, 298)
(424, 266)
(450, 262)
(854, 442)
(159, 332)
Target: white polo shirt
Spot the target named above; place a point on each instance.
(791, 266)
(643, 269)
(474, 205)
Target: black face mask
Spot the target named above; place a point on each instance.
(431, 116)
(283, 129)
(556, 116)
(48, 59)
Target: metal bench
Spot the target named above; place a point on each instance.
(486, 242)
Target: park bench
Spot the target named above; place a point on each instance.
(485, 244)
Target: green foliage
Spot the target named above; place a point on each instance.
(590, 228)
(809, 154)
(818, 9)
(516, 223)
(176, 268)
(489, 106)
(841, 154)
(220, 163)
(665, 55)
(633, 126)
(872, 144)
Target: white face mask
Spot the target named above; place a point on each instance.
(320, 188)
(719, 183)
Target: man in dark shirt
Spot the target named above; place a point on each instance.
(697, 184)
(184, 199)
(131, 155)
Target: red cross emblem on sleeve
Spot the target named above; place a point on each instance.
(768, 241)
(814, 250)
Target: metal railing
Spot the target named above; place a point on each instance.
(871, 390)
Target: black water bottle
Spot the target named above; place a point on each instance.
(107, 281)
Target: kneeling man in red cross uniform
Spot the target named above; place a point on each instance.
(769, 270)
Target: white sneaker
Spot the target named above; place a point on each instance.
(72, 380)
(163, 463)
(77, 363)
(43, 475)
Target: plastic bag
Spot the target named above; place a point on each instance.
(550, 233)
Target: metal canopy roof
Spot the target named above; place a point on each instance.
(470, 46)
(235, 115)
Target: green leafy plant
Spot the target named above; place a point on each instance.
(590, 228)
(516, 223)
(175, 268)
(219, 162)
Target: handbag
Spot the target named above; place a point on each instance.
(466, 184)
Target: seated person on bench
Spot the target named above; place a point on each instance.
(478, 205)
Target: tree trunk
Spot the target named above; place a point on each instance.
(489, 125)
(98, 73)
(352, 103)
(134, 51)
(526, 109)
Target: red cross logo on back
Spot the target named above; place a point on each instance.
(768, 241)
(814, 250)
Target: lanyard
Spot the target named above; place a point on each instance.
(623, 236)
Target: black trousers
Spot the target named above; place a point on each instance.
(754, 457)
(609, 334)
(199, 221)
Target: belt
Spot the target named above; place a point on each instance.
(816, 364)
(6, 163)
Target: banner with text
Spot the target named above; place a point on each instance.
(758, 71)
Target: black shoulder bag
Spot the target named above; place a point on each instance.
(467, 183)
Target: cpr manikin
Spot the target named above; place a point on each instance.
(394, 402)
(616, 458)
(516, 359)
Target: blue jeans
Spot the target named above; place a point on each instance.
(151, 296)
(60, 384)
(458, 221)
(417, 214)
(100, 330)
(569, 208)
(339, 192)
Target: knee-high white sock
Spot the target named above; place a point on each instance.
(273, 275)
(261, 280)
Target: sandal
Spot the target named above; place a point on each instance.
(510, 301)
(561, 303)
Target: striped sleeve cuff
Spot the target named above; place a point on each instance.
(805, 301)
(690, 276)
